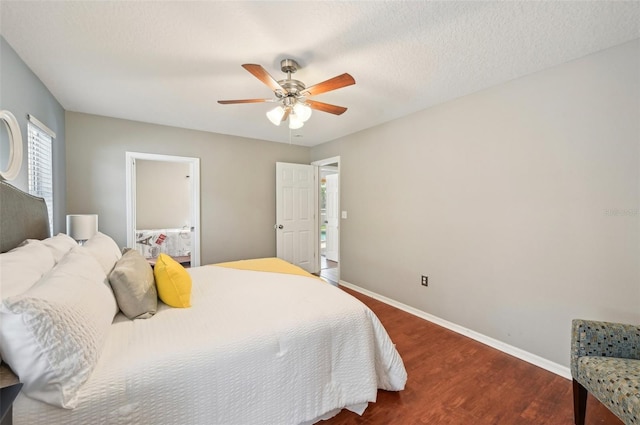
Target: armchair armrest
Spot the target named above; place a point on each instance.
(592, 338)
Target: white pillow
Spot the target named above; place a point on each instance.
(59, 245)
(23, 266)
(105, 250)
(52, 335)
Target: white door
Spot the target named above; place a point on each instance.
(333, 221)
(295, 214)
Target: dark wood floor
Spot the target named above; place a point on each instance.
(456, 380)
(329, 270)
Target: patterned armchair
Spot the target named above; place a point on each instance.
(605, 361)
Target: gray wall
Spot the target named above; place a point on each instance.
(521, 203)
(237, 180)
(22, 93)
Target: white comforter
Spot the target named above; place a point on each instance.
(255, 348)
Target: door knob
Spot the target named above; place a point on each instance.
(280, 226)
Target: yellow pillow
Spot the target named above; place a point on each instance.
(173, 282)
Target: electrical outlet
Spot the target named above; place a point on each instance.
(425, 280)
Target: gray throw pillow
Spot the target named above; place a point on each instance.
(134, 286)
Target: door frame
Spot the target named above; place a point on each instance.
(320, 163)
(194, 163)
(335, 221)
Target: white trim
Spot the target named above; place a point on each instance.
(131, 196)
(15, 146)
(328, 161)
(316, 221)
(41, 126)
(528, 357)
(321, 163)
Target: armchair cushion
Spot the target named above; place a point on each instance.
(606, 339)
(615, 382)
(605, 360)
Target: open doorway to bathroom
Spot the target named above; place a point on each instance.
(163, 205)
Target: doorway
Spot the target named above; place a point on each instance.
(163, 205)
(308, 216)
(329, 222)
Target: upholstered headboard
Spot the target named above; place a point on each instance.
(22, 216)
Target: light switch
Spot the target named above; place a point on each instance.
(344, 214)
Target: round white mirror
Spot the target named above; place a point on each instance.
(14, 148)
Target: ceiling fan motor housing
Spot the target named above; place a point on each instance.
(293, 87)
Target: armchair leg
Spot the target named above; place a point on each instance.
(579, 402)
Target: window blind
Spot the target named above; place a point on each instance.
(40, 163)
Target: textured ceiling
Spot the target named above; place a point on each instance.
(169, 62)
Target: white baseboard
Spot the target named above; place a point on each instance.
(491, 342)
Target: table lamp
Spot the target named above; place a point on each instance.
(82, 226)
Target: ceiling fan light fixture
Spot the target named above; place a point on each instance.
(292, 95)
(295, 122)
(302, 111)
(275, 115)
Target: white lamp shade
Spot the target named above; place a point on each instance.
(295, 122)
(82, 226)
(302, 111)
(275, 115)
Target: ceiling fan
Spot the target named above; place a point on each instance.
(293, 96)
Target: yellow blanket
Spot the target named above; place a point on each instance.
(275, 265)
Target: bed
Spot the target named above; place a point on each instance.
(254, 347)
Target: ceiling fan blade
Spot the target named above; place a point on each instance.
(325, 107)
(229, 102)
(261, 74)
(287, 111)
(334, 83)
